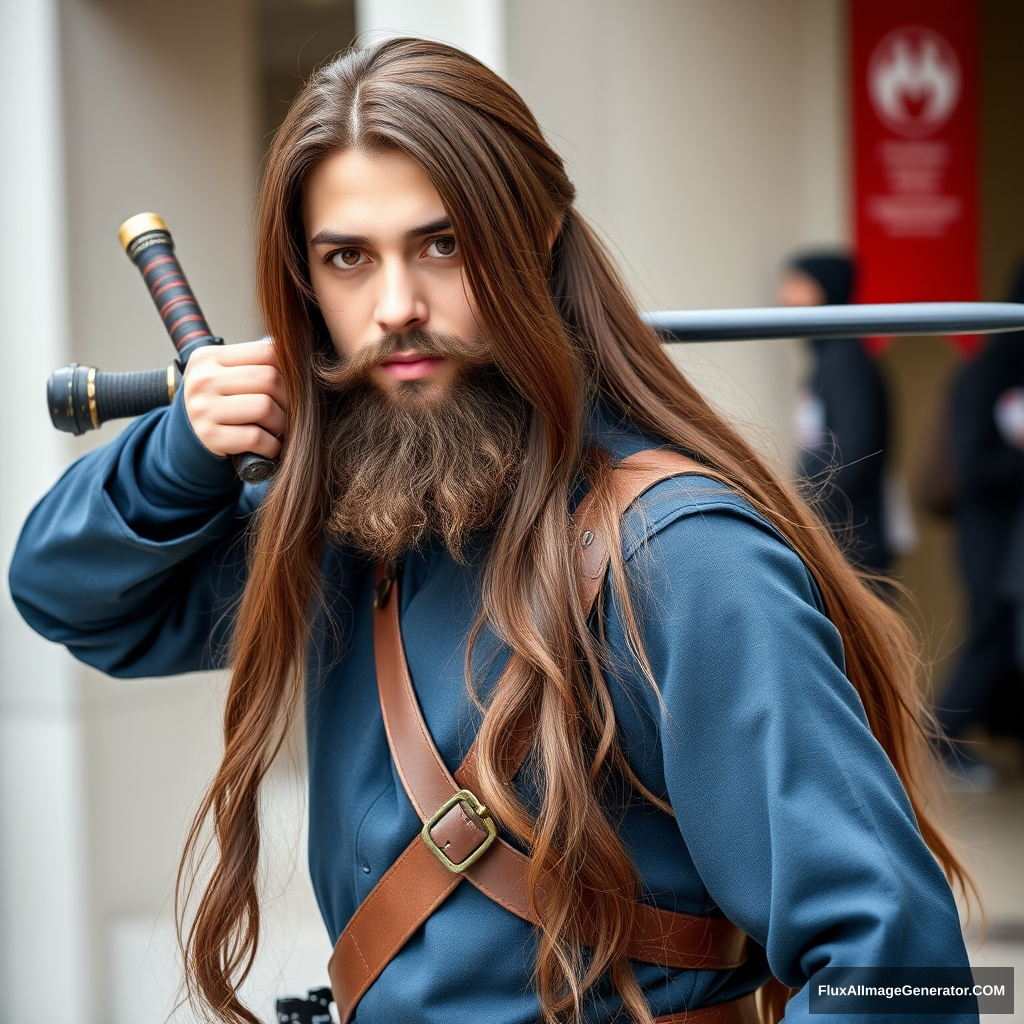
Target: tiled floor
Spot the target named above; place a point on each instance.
(992, 828)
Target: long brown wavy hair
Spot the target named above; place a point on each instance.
(564, 331)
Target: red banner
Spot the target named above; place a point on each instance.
(915, 114)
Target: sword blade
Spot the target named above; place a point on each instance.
(838, 321)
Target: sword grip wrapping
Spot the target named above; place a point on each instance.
(131, 394)
(150, 247)
(82, 398)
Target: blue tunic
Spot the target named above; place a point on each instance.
(789, 819)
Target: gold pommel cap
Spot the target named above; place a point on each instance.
(139, 225)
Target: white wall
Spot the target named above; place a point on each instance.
(161, 115)
(705, 138)
(44, 968)
(825, 203)
(477, 26)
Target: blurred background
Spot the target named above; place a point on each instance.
(713, 142)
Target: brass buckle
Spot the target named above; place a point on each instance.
(478, 812)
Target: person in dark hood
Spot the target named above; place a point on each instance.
(987, 421)
(843, 415)
(1013, 585)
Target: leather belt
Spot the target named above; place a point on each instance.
(459, 841)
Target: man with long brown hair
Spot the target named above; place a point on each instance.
(675, 752)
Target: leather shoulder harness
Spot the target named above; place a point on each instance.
(459, 840)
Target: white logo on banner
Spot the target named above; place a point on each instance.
(914, 81)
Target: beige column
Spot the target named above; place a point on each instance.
(44, 958)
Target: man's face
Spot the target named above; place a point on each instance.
(383, 260)
(800, 289)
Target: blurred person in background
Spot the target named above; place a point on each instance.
(987, 428)
(1014, 585)
(842, 416)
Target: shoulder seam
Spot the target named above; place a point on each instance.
(722, 500)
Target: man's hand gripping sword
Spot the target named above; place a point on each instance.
(81, 398)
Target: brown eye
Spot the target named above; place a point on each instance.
(347, 257)
(444, 246)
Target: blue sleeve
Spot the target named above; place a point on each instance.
(795, 819)
(134, 559)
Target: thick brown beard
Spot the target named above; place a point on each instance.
(414, 464)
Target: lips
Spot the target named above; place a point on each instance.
(409, 365)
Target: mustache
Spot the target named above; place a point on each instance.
(344, 372)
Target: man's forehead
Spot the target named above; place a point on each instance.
(376, 195)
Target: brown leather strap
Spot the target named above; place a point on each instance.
(418, 883)
(631, 478)
(736, 1011)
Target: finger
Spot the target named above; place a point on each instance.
(231, 440)
(238, 410)
(238, 354)
(240, 380)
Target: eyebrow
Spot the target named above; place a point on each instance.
(329, 237)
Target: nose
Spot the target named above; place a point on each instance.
(400, 304)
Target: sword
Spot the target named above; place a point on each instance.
(890, 319)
